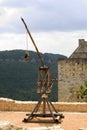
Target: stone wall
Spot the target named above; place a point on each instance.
(72, 72)
(13, 105)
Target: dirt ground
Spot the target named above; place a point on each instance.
(71, 121)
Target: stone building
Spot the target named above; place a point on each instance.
(72, 72)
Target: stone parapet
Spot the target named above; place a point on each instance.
(13, 105)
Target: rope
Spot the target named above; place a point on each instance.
(27, 44)
(26, 57)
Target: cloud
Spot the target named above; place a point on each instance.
(52, 42)
(44, 15)
(56, 25)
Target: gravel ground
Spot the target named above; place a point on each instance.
(71, 121)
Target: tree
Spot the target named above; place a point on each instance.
(82, 92)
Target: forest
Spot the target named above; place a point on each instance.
(18, 78)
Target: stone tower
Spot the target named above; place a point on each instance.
(72, 72)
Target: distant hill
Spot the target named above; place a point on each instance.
(18, 77)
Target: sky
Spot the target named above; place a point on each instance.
(55, 25)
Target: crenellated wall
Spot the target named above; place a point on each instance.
(13, 105)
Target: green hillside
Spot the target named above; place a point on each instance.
(18, 77)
